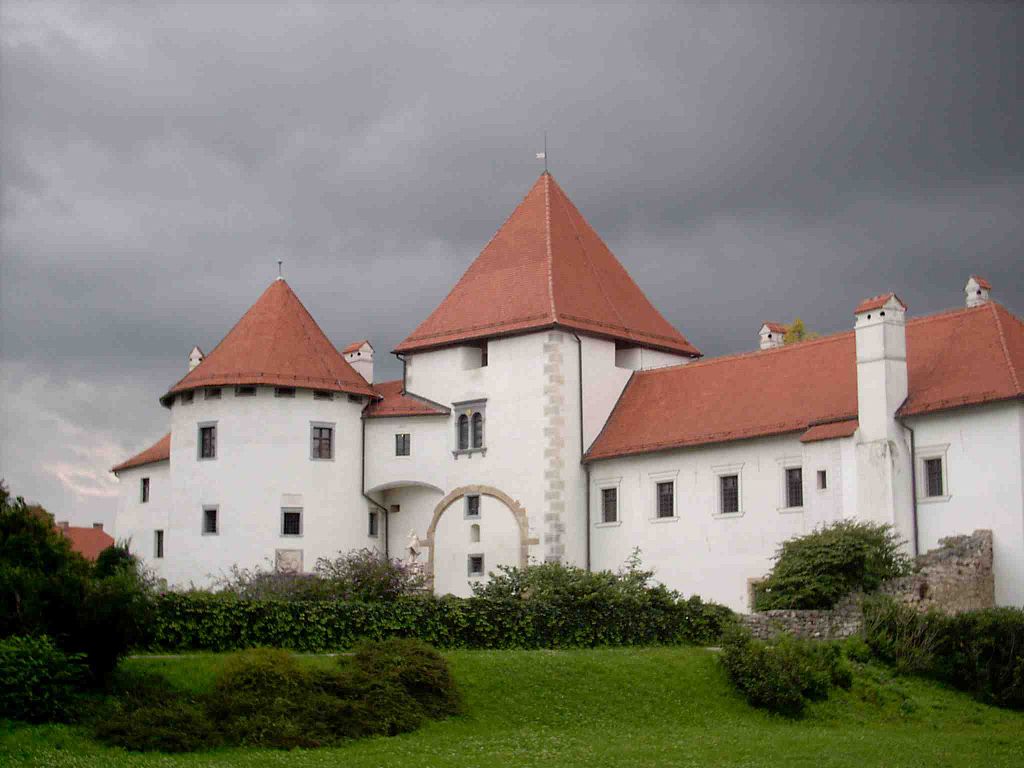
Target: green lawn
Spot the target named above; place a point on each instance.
(622, 707)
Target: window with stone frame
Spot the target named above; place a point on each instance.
(665, 492)
(207, 441)
(794, 487)
(609, 505)
(402, 444)
(933, 477)
(291, 522)
(321, 441)
(729, 494)
(145, 490)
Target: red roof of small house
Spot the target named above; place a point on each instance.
(956, 358)
(396, 402)
(158, 451)
(546, 267)
(775, 327)
(877, 302)
(982, 282)
(88, 542)
(830, 431)
(277, 342)
(355, 346)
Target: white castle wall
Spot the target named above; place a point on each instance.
(136, 522)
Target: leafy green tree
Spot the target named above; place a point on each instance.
(797, 332)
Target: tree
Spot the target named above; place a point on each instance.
(797, 332)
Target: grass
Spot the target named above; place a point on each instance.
(621, 707)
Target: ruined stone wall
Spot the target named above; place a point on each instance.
(954, 578)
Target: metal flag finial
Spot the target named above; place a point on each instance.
(544, 155)
(279, 263)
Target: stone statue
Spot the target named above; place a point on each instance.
(413, 547)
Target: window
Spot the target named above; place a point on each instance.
(474, 533)
(472, 506)
(933, 477)
(822, 480)
(373, 524)
(321, 441)
(729, 494)
(463, 442)
(213, 393)
(207, 441)
(284, 391)
(666, 499)
(210, 522)
(469, 427)
(145, 490)
(245, 390)
(475, 565)
(794, 487)
(291, 522)
(323, 395)
(158, 544)
(483, 355)
(402, 444)
(478, 430)
(187, 397)
(355, 399)
(609, 505)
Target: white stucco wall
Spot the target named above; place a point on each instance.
(137, 522)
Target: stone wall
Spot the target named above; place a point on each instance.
(955, 577)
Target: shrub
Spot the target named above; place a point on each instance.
(900, 635)
(174, 724)
(822, 567)
(115, 559)
(414, 666)
(784, 674)
(114, 616)
(40, 681)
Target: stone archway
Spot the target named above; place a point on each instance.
(513, 506)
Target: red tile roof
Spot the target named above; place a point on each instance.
(395, 402)
(276, 342)
(982, 282)
(877, 302)
(546, 267)
(159, 451)
(776, 327)
(88, 542)
(961, 357)
(355, 346)
(830, 431)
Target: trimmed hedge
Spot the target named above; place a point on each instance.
(218, 622)
(38, 681)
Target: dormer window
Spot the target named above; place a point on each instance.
(187, 397)
(245, 390)
(284, 391)
(321, 394)
(469, 428)
(213, 393)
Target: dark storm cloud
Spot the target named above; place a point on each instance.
(744, 162)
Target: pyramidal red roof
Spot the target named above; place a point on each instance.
(546, 267)
(159, 451)
(956, 358)
(276, 342)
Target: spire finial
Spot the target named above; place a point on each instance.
(279, 263)
(544, 155)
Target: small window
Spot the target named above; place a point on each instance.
(478, 430)
(463, 432)
(822, 480)
(475, 565)
(794, 487)
(609, 505)
(158, 544)
(213, 393)
(284, 391)
(291, 522)
(472, 506)
(208, 441)
(729, 493)
(666, 499)
(210, 522)
(321, 394)
(402, 444)
(145, 490)
(322, 441)
(474, 533)
(373, 524)
(934, 485)
(355, 399)
(187, 397)
(483, 355)
(245, 390)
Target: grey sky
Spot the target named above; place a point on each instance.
(745, 163)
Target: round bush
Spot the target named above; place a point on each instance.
(39, 681)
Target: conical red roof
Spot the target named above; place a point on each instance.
(546, 267)
(277, 342)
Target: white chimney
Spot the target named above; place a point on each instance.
(360, 356)
(978, 291)
(881, 339)
(195, 357)
(98, 526)
(772, 335)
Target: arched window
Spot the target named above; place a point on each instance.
(478, 430)
(474, 533)
(463, 432)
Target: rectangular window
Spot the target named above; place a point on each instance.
(373, 527)
(187, 397)
(729, 493)
(323, 395)
(822, 480)
(158, 544)
(291, 522)
(795, 487)
(475, 565)
(933, 477)
(472, 506)
(208, 441)
(666, 499)
(145, 490)
(483, 355)
(609, 505)
(284, 391)
(321, 441)
(213, 393)
(402, 444)
(355, 399)
(210, 522)
(245, 390)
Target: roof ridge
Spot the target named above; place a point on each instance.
(547, 243)
(1006, 349)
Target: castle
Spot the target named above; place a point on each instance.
(548, 412)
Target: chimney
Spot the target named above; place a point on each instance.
(63, 525)
(359, 355)
(881, 340)
(195, 357)
(978, 291)
(772, 335)
(98, 526)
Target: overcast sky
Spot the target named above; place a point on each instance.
(745, 163)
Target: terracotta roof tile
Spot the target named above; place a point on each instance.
(277, 342)
(355, 346)
(877, 302)
(159, 451)
(961, 357)
(830, 431)
(982, 282)
(395, 402)
(546, 267)
(776, 327)
(88, 542)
